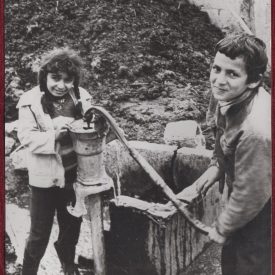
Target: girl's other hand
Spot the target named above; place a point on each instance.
(60, 133)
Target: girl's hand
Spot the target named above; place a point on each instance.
(61, 185)
(62, 122)
(207, 179)
(60, 133)
(215, 236)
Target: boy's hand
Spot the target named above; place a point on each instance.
(207, 179)
(215, 236)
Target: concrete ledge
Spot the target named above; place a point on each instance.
(133, 180)
(178, 168)
(161, 237)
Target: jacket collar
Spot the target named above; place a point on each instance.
(33, 97)
(224, 106)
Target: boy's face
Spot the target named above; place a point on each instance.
(228, 77)
(59, 84)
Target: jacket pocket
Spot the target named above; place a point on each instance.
(40, 164)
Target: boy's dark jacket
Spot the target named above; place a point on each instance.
(243, 152)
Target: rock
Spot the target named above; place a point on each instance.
(123, 71)
(197, 54)
(13, 178)
(19, 160)
(9, 145)
(11, 128)
(16, 93)
(15, 83)
(169, 108)
(166, 74)
(146, 67)
(96, 63)
(11, 269)
(185, 133)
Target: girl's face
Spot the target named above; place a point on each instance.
(228, 77)
(59, 84)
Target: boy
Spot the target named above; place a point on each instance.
(243, 155)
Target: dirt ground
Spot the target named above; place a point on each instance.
(146, 62)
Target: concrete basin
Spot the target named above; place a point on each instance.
(148, 235)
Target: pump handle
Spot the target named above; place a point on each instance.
(150, 171)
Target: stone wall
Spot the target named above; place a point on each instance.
(240, 15)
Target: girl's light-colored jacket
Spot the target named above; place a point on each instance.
(36, 132)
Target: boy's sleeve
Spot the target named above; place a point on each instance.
(251, 186)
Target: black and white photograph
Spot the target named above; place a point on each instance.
(138, 137)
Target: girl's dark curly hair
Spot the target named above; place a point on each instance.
(62, 60)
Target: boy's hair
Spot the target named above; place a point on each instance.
(250, 48)
(62, 60)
